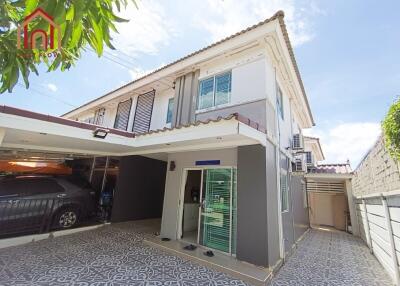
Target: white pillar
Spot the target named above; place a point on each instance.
(391, 240)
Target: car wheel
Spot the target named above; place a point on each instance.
(66, 218)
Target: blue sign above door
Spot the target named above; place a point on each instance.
(208, 162)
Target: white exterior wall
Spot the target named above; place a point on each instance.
(160, 109)
(248, 76)
(174, 181)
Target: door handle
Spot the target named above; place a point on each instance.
(61, 195)
(203, 204)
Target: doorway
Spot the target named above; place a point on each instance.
(210, 208)
(191, 205)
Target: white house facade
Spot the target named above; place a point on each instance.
(213, 141)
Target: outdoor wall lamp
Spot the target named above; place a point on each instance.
(172, 166)
(100, 133)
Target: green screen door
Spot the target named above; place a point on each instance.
(217, 209)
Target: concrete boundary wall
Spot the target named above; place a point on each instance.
(376, 194)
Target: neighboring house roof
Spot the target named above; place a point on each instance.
(277, 16)
(315, 140)
(332, 169)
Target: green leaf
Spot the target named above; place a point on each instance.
(30, 6)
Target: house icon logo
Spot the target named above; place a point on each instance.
(31, 38)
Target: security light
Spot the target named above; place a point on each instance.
(100, 133)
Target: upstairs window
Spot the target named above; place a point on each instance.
(215, 91)
(309, 157)
(122, 116)
(170, 110)
(279, 101)
(99, 116)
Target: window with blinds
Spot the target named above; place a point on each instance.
(122, 117)
(219, 210)
(144, 109)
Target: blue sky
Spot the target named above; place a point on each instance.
(347, 51)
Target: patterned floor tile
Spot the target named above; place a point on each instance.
(331, 258)
(112, 255)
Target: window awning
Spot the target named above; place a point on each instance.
(21, 129)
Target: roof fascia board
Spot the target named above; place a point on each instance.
(328, 176)
(189, 63)
(9, 121)
(293, 75)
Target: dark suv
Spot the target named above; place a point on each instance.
(35, 203)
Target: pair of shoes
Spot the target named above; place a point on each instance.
(190, 247)
(209, 253)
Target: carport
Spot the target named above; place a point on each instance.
(137, 161)
(329, 192)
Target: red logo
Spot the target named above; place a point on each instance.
(30, 38)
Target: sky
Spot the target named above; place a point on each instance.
(347, 53)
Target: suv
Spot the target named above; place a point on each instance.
(32, 203)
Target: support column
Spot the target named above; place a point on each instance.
(391, 240)
(366, 227)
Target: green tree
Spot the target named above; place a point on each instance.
(83, 23)
(391, 130)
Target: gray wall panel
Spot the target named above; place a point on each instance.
(252, 205)
(186, 89)
(272, 205)
(140, 189)
(300, 211)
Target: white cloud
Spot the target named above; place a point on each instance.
(149, 29)
(139, 72)
(347, 141)
(223, 18)
(52, 87)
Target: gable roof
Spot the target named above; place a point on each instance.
(277, 16)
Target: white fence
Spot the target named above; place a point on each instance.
(379, 222)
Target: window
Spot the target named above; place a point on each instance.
(99, 116)
(170, 110)
(215, 91)
(279, 101)
(284, 193)
(122, 117)
(309, 157)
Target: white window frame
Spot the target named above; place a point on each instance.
(99, 116)
(214, 106)
(172, 111)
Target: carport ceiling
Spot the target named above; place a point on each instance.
(35, 156)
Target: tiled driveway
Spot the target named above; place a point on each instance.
(332, 258)
(116, 255)
(111, 255)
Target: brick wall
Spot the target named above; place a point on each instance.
(377, 173)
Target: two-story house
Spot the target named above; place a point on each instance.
(210, 141)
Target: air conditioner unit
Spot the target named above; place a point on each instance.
(298, 142)
(299, 164)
